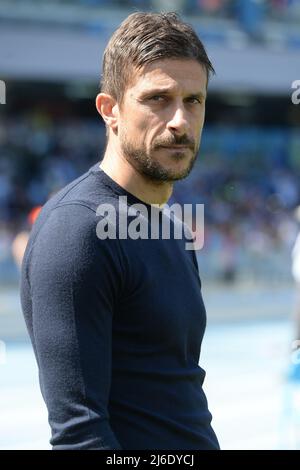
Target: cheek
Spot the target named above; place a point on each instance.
(137, 125)
(148, 127)
(142, 125)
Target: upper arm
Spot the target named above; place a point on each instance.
(75, 280)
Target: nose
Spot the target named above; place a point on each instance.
(178, 123)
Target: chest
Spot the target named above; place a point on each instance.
(162, 301)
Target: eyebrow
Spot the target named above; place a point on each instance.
(165, 91)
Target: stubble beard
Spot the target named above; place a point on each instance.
(144, 163)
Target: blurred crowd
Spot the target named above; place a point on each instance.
(262, 21)
(246, 12)
(247, 178)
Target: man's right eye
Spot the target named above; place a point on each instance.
(157, 98)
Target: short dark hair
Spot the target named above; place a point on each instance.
(143, 38)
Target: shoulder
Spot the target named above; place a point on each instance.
(67, 242)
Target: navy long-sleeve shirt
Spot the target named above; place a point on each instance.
(116, 325)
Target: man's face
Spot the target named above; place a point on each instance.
(161, 118)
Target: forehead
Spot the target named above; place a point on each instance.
(185, 75)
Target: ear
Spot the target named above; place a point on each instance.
(108, 108)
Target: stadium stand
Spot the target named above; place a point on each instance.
(248, 170)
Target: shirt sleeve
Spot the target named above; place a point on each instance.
(74, 279)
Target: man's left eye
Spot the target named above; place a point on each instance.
(193, 100)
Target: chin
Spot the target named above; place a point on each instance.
(179, 176)
(181, 170)
(176, 175)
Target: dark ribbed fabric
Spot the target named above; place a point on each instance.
(116, 326)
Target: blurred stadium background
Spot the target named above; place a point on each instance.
(247, 175)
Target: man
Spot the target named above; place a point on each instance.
(117, 322)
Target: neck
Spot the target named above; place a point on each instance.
(115, 165)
